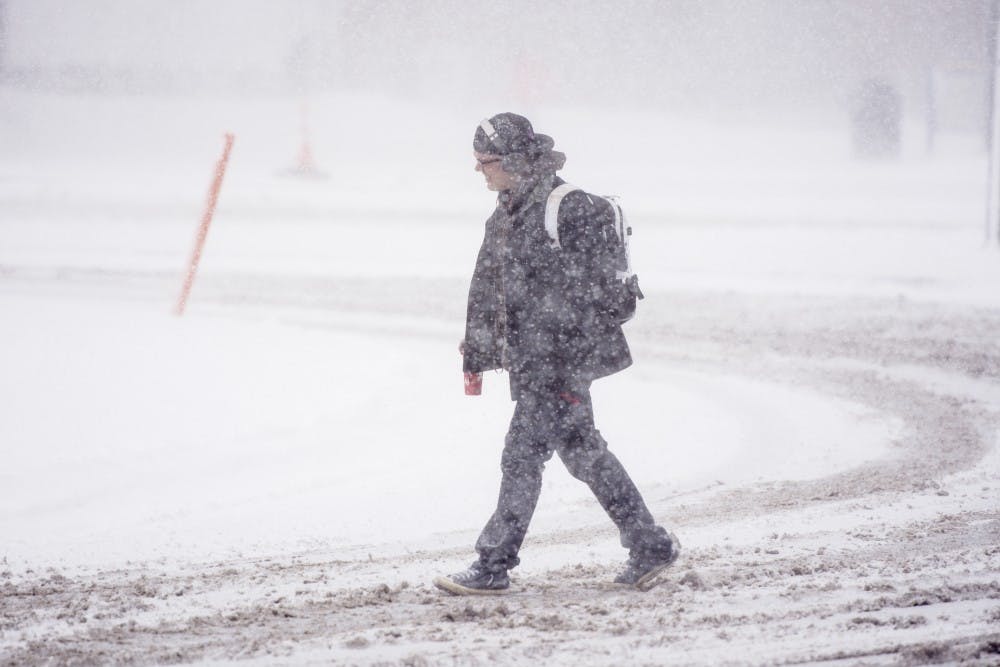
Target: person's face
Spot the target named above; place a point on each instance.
(497, 179)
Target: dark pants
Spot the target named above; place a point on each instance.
(563, 423)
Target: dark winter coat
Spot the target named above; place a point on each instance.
(537, 311)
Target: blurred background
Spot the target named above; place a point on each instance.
(777, 59)
(717, 112)
(369, 90)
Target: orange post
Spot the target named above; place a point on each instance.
(206, 220)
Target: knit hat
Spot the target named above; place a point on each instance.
(525, 152)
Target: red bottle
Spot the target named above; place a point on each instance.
(473, 384)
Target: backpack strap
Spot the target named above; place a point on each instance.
(552, 211)
(624, 232)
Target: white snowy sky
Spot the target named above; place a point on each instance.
(638, 52)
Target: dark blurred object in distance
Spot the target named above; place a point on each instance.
(875, 120)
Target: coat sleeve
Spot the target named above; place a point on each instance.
(481, 348)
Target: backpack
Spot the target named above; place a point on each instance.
(622, 292)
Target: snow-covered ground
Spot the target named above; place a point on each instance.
(277, 475)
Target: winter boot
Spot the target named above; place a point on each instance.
(643, 572)
(477, 580)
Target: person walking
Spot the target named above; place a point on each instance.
(537, 309)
